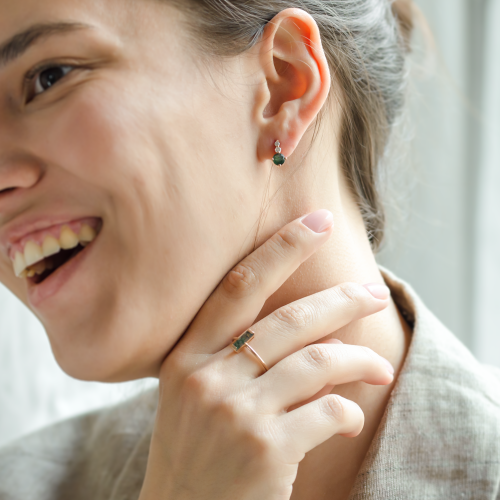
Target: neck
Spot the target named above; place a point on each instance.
(329, 471)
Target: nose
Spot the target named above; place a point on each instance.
(18, 173)
(19, 167)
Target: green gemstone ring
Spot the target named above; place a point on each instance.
(239, 342)
(242, 341)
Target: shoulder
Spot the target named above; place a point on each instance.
(440, 437)
(450, 396)
(88, 450)
(444, 378)
(438, 364)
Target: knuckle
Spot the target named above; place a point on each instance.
(241, 280)
(288, 239)
(333, 407)
(252, 436)
(319, 355)
(259, 444)
(198, 385)
(349, 295)
(206, 391)
(228, 411)
(295, 316)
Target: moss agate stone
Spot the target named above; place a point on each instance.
(239, 343)
(279, 159)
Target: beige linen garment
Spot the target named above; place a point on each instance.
(439, 437)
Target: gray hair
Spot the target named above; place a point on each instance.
(365, 41)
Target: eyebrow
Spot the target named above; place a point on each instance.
(20, 43)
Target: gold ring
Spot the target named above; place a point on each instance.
(242, 341)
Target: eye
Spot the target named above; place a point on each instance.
(49, 77)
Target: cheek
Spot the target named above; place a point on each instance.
(166, 179)
(124, 147)
(94, 136)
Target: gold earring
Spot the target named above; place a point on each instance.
(278, 158)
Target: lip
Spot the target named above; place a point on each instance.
(14, 233)
(48, 288)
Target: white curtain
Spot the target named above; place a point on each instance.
(487, 236)
(448, 247)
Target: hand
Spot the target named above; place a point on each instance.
(222, 430)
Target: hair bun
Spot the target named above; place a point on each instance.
(404, 12)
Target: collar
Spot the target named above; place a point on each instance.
(438, 438)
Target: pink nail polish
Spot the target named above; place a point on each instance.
(379, 291)
(319, 221)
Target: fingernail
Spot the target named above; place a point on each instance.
(380, 292)
(319, 221)
(335, 341)
(388, 365)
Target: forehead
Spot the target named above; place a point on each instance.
(20, 14)
(124, 17)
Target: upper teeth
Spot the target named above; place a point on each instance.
(50, 246)
(68, 238)
(32, 253)
(87, 234)
(31, 260)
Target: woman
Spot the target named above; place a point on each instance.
(142, 221)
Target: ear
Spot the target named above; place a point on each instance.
(297, 81)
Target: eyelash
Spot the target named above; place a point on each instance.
(32, 76)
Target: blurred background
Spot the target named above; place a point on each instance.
(447, 244)
(444, 219)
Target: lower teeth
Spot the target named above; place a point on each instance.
(45, 268)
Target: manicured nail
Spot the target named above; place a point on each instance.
(319, 221)
(388, 365)
(379, 291)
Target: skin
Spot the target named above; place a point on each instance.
(173, 155)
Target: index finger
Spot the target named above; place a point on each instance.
(240, 296)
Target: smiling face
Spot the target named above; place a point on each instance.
(124, 192)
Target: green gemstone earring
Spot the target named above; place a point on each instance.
(278, 158)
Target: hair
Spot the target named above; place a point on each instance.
(366, 43)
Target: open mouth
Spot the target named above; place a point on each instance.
(52, 264)
(39, 255)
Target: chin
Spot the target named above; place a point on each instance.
(109, 345)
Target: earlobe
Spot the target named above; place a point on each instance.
(297, 79)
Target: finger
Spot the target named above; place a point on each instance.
(291, 327)
(312, 424)
(304, 373)
(239, 298)
(326, 390)
(323, 392)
